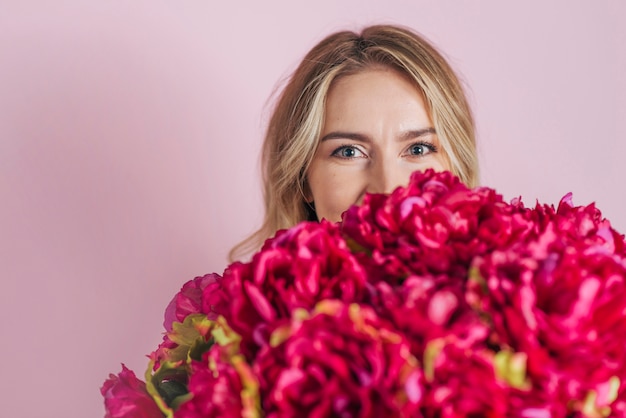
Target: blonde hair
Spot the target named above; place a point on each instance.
(297, 120)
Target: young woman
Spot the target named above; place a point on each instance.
(360, 113)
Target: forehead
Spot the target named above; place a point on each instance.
(380, 93)
(363, 74)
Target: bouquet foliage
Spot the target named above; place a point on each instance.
(434, 301)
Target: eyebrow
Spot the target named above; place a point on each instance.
(412, 134)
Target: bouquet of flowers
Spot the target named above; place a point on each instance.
(434, 301)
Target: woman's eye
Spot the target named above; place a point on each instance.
(421, 149)
(347, 151)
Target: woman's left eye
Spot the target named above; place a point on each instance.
(347, 152)
(421, 148)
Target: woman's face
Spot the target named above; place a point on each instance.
(377, 131)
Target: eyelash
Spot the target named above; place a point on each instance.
(431, 149)
(337, 150)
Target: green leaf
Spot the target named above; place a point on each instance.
(431, 352)
(152, 381)
(280, 335)
(590, 407)
(198, 348)
(225, 336)
(171, 389)
(192, 336)
(355, 247)
(511, 367)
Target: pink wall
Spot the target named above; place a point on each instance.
(129, 135)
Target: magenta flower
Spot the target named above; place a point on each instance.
(296, 269)
(435, 301)
(425, 308)
(462, 382)
(583, 224)
(342, 360)
(562, 302)
(434, 226)
(190, 300)
(125, 396)
(222, 386)
(200, 296)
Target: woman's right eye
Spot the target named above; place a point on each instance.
(348, 151)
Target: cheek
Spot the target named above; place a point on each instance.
(438, 163)
(444, 161)
(333, 191)
(442, 164)
(332, 196)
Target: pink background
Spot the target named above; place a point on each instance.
(130, 131)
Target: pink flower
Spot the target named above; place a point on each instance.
(618, 407)
(191, 297)
(342, 360)
(462, 383)
(434, 301)
(202, 295)
(222, 386)
(125, 396)
(429, 307)
(434, 226)
(561, 300)
(583, 224)
(296, 269)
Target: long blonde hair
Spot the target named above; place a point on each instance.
(296, 123)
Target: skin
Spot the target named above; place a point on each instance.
(377, 131)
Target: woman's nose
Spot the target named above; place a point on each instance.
(385, 176)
